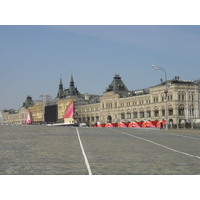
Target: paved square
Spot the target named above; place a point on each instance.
(109, 151)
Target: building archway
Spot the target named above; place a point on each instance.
(182, 123)
(109, 119)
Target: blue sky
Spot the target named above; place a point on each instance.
(32, 58)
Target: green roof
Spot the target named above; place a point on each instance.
(117, 85)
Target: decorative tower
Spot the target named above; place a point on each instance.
(72, 88)
(117, 85)
(71, 91)
(28, 102)
(60, 90)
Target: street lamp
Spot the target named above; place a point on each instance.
(166, 91)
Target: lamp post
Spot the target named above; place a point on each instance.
(166, 91)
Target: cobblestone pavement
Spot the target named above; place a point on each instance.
(109, 151)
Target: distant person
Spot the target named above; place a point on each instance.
(161, 125)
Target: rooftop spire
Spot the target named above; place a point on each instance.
(72, 81)
(60, 89)
(60, 85)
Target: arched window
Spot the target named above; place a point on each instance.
(170, 97)
(155, 99)
(135, 113)
(181, 110)
(128, 114)
(88, 119)
(141, 113)
(191, 110)
(181, 96)
(170, 108)
(192, 96)
(163, 111)
(97, 118)
(148, 112)
(156, 112)
(122, 115)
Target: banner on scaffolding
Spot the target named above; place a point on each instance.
(69, 113)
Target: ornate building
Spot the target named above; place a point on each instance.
(54, 111)
(71, 91)
(119, 104)
(17, 116)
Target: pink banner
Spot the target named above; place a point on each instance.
(70, 111)
(28, 119)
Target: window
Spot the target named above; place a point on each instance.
(155, 99)
(163, 111)
(191, 110)
(109, 105)
(170, 110)
(148, 113)
(181, 110)
(128, 115)
(181, 96)
(122, 116)
(135, 115)
(156, 112)
(141, 114)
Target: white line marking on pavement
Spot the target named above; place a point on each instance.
(158, 144)
(84, 155)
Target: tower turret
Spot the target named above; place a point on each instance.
(60, 90)
(72, 88)
(72, 91)
(72, 81)
(117, 85)
(28, 102)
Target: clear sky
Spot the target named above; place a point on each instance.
(32, 58)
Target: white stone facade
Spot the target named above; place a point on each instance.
(183, 100)
(14, 117)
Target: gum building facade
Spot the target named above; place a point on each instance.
(118, 104)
